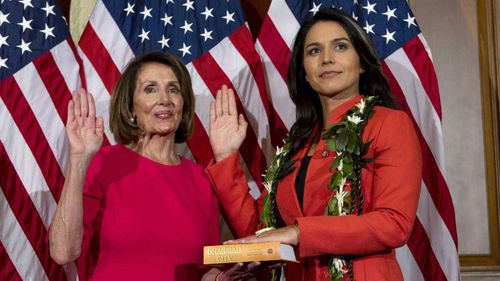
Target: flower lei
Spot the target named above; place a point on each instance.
(344, 138)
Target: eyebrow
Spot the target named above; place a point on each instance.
(170, 83)
(334, 41)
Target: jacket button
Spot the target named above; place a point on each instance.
(324, 153)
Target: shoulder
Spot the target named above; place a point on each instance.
(391, 126)
(387, 118)
(109, 154)
(113, 149)
(191, 165)
(390, 114)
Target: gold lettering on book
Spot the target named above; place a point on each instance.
(224, 250)
(224, 259)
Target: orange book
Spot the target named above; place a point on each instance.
(233, 253)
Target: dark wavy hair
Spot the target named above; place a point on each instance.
(125, 130)
(372, 81)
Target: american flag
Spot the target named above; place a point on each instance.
(38, 69)
(431, 253)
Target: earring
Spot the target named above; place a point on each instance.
(133, 119)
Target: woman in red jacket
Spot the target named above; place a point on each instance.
(344, 187)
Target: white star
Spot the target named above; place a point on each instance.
(3, 62)
(410, 20)
(144, 35)
(164, 42)
(3, 18)
(188, 5)
(369, 28)
(370, 7)
(129, 9)
(146, 13)
(354, 16)
(315, 8)
(170, 1)
(228, 17)
(24, 46)
(187, 27)
(185, 49)
(167, 20)
(26, 24)
(207, 35)
(389, 36)
(207, 13)
(26, 3)
(390, 13)
(49, 10)
(3, 40)
(48, 31)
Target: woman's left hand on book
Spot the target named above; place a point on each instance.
(287, 235)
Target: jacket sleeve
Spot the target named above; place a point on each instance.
(230, 184)
(389, 215)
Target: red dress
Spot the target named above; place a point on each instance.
(144, 220)
(390, 184)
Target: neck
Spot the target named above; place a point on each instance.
(160, 149)
(329, 104)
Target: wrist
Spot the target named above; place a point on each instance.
(80, 160)
(221, 156)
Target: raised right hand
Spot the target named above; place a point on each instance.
(85, 130)
(227, 129)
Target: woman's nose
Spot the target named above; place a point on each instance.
(165, 98)
(328, 57)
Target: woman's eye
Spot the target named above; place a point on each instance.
(150, 89)
(313, 51)
(341, 46)
(173, 90)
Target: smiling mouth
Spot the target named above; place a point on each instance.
(164, 115)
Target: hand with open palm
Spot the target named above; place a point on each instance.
(227, 128)
(84, 129)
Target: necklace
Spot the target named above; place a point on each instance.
(345, 139)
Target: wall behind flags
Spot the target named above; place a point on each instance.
(464, 37)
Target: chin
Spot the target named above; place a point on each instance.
(166, 131)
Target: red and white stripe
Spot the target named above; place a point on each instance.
(33, 156)
(431, 253)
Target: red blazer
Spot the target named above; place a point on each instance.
(390, 185)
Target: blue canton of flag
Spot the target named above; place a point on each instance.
(390, 24)
(186, 29)
(28, 29)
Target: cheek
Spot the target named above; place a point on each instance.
(180, 105)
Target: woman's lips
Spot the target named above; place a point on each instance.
(164, 114)
(327, 74)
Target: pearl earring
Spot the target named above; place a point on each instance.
(133, 119)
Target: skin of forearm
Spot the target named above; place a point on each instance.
(66, 231)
